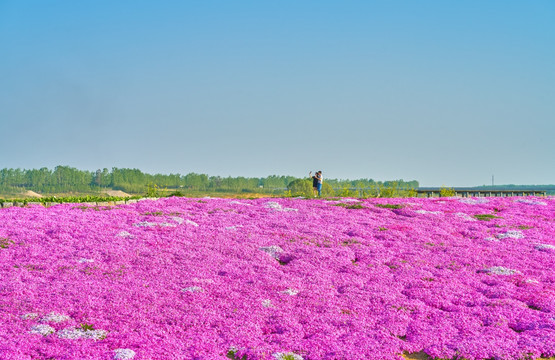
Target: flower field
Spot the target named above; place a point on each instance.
(279, 279)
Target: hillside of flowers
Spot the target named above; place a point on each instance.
(279, 279)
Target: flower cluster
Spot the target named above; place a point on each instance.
(301, 279)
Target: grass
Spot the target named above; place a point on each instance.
(86, 327)
(68, 199)
(525, 227)
(5, 243)
(350, 206)
(389, 206)
(231, 355)
(486, 217)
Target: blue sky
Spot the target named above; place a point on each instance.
(444, 92)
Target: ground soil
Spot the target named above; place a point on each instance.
(117, 193)
(30, 193)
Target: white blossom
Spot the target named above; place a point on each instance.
(491, 239)
(513, 234)
(473, 201)
(42, 329)
(54, 317)
(178, 220)
(124, 354)
(239, 203)
(189, 222)
(500, 270)
(125, 234)
(531, 202)
(277, 207)
(544, 247)
(465, 216)
(428, 212)
(287, 356)
(29, 316)
(273, 205)
(290, 291)
(76, 333)
(145, 224)
(193, 289)
(273, 251)
(167, 224)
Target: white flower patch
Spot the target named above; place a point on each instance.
(145, 224)
(267, 303)
(277, 207)
(290, 291)
(544, 247)
(513, 234)
(473, 201)
(491, 239)
(189, 222)
(500, 270)
(124, 354)
(29, 316)
(54, 317)
(151, 224)
(167, 224)
(205, 281)
(125, 234)
(287, 356)
(531, 202)
(178, 220)
(239, 203)
(84, 260)
(42, 329)
(532, 281)
(193, 289)
(76, 333)
(274, 251)
(233, 227)
(349, 200)
(427, 212)
(465, 216)
(273, 205)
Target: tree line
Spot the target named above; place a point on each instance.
(68, 179)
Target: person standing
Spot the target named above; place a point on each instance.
(314, 182)
(320, 179)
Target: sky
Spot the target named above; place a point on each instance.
(443, 92)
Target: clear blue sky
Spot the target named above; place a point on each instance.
(444, 92)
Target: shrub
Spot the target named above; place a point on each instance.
(446, 192)
(300, 187)
(303, 187)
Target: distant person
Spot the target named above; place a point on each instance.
(314, 182)
(317, 180)
(320, 180)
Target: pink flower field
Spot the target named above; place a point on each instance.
(279, 279)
